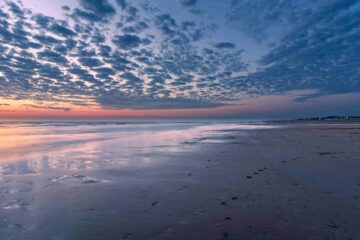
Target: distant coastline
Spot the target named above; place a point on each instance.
(327, 119)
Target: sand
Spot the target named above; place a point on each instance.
(294, 182)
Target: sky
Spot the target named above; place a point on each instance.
(113, 59)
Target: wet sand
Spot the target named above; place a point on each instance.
(297, 182)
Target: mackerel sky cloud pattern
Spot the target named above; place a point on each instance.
(181, 54)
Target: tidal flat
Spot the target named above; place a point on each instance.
(197, 180)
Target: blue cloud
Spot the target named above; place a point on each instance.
(87, 15)
(167, 24)
(122, 3)
(52, 56)
(223, 45)
(16, 9)
(90, 62)
(42, 20)
(127, 41)
(66, 8)
(122, 101)
(48, 107)
(99, 7)
(47, 40)
(94, 11)
(317, 54)
(62, 30)
(187, 3)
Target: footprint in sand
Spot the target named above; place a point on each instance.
(127, 236)
(182, 188)
(333, 226)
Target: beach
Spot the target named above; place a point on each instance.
(181, 181)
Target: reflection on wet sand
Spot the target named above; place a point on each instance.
(54, 175)
(26, 149)
(178, 181)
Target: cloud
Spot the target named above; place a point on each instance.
(167, 24)
(137, 28)
(48, 107)
(130, 14)
(191, 6)
(94, 11)
(187, 3)
(16, 9)
(47, 40)
(62, 30)
(66, 8)
(90, 62)
(99, 7)
(104, 73)
(224, 45)
(122, 3)
(316, 54)
(121, 102)
(87, 15)
(42, 20)
(268, 20)
(82, 74)
(52, 56)
(127, 41)
(134, 84)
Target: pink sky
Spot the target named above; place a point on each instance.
(281, 106)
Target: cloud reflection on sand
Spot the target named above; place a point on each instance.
(56, 176)
(35, 148)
